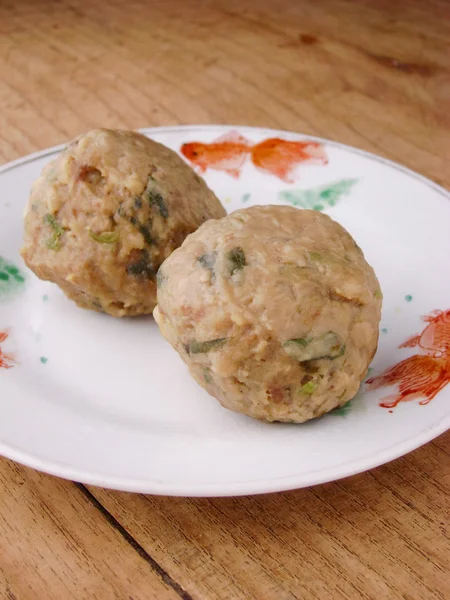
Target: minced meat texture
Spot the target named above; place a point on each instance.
(106, 213)
(274, 310)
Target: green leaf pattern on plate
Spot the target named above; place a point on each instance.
(343, 410)
(12, 279)
(321, 197)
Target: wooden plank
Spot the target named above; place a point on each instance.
(322, 68)
(55, 543)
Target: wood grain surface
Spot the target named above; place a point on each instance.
(374, 74)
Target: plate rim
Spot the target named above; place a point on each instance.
(216, 490)
(215, 127)
(262, 486)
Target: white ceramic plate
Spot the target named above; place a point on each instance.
(108, 402)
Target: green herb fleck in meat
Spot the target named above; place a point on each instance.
(142, 267)
(155, 198)
(107, 237)
(54, 241)
(208, 261)
(328, 345)
(50, 220)
(203, 347)
(378, 294)
(144, 230)
(308, 388)
(303, 342)
(207, 375)
(236, 260)
(343, 410)
(160, 277)
(315, 256)
(131, 215)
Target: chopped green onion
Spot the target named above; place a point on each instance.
(202, 347)
(107, 237)
(308, 388)
(236, 260)
(143, 267)
(155, 198)
(160, 277)
(54, 241)
(328, 345)
(144, 230)
(207, 261)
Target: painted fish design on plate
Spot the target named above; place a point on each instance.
(274, 156)
(7, 361)
(421, 376)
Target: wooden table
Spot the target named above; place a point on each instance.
(374, 74)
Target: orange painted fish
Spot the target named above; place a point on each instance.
(228, 153)
(435, 338)
(421, 375)
(6, 360)
(274, 156)
(282, 157)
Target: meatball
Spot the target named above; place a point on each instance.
(274, 310)
(106, 213)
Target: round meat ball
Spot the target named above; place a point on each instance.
(106, 213)
(274, 310)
